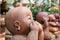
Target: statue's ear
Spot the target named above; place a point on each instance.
(17, 25)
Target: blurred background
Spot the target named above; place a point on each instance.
(50, 6)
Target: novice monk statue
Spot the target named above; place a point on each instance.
(54, 25)
(42, 17)
(19, 21)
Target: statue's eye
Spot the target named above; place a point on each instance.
(42, 21)
(29, 17)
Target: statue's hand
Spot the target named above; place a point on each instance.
(36, 26)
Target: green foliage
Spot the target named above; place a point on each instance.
(14, 4)
(35, 10)
(45, 7)
(56, 10)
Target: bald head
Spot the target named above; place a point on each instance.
(56, 15)
(16, 18)
(43, 13)
(51, 17)
(42, 16)
(18, 11)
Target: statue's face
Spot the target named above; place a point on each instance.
(27, 19)
(25, 22)
(45, 18)
(42, 17)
